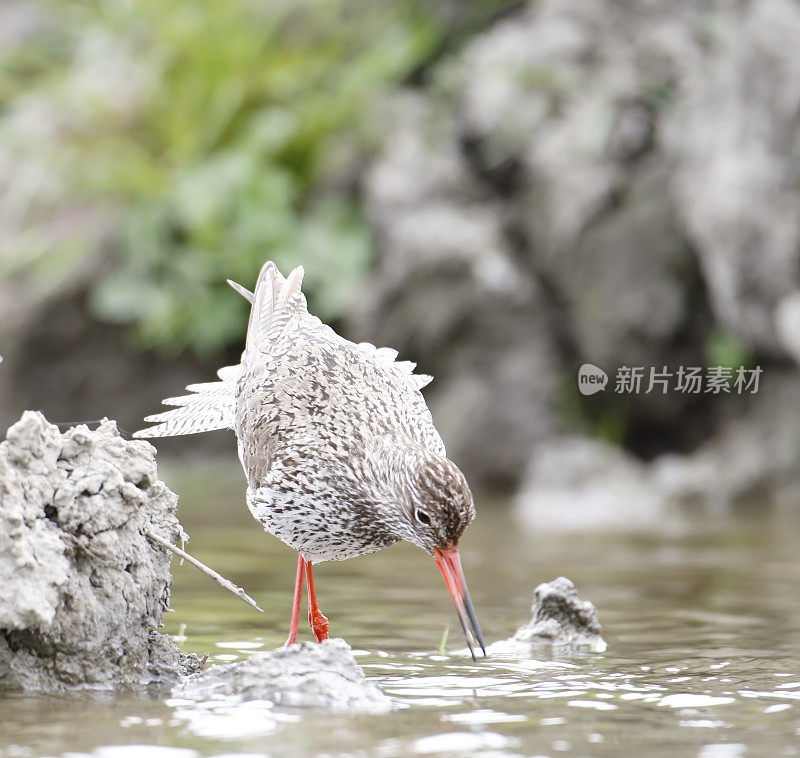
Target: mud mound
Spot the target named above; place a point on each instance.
(83, 588)
(303, 675)
(561, 623)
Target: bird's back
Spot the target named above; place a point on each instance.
(314, 415)
(307, 397)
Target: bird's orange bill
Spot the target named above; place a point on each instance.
(449, 563)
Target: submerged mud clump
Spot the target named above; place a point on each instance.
(302, 675)
(561, 623)
(83, 590)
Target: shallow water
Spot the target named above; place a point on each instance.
(702, 625)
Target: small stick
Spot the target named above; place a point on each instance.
(86, 549)
(220, 580)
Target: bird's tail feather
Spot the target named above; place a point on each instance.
(243, 291)
(289, 301)
(276, 299)
(210, 406)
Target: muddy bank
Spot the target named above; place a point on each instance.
(561, 623)
(596, 182)
(84, 590)
(303, 675)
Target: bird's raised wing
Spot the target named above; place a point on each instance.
(210, 406)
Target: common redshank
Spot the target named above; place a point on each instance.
(337, 444)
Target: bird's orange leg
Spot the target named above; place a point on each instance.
(298, 591)
(318, 622)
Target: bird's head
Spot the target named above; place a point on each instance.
(437, 504)
(436, 507)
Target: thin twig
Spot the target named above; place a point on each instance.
(86, 549)
(220, 580)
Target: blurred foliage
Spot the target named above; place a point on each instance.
(726, 350)
(207, 136)
(604, 416)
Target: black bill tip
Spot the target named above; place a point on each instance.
(449, 563)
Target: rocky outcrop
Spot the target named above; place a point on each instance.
(561, 623)
(84, 590)
(305, 675)
(576, 483)
(733, 135)
(751, 462)
(607, 182)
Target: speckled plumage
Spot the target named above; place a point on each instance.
(337, 444)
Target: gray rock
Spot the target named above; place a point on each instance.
(559, 92)
(83, 589)
(305, 675)
(787, 324)
(575, 483)
(561, 622)
(733, 133)
(608, 182)
(752, 461)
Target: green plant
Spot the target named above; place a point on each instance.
(205, 131)
(723, 349)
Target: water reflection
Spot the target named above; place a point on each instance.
(703, 659)
(221, 720)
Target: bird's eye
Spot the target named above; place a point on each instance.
(422, 517)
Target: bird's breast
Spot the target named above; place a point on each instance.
(323, 526)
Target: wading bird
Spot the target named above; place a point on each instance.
(337, 444)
